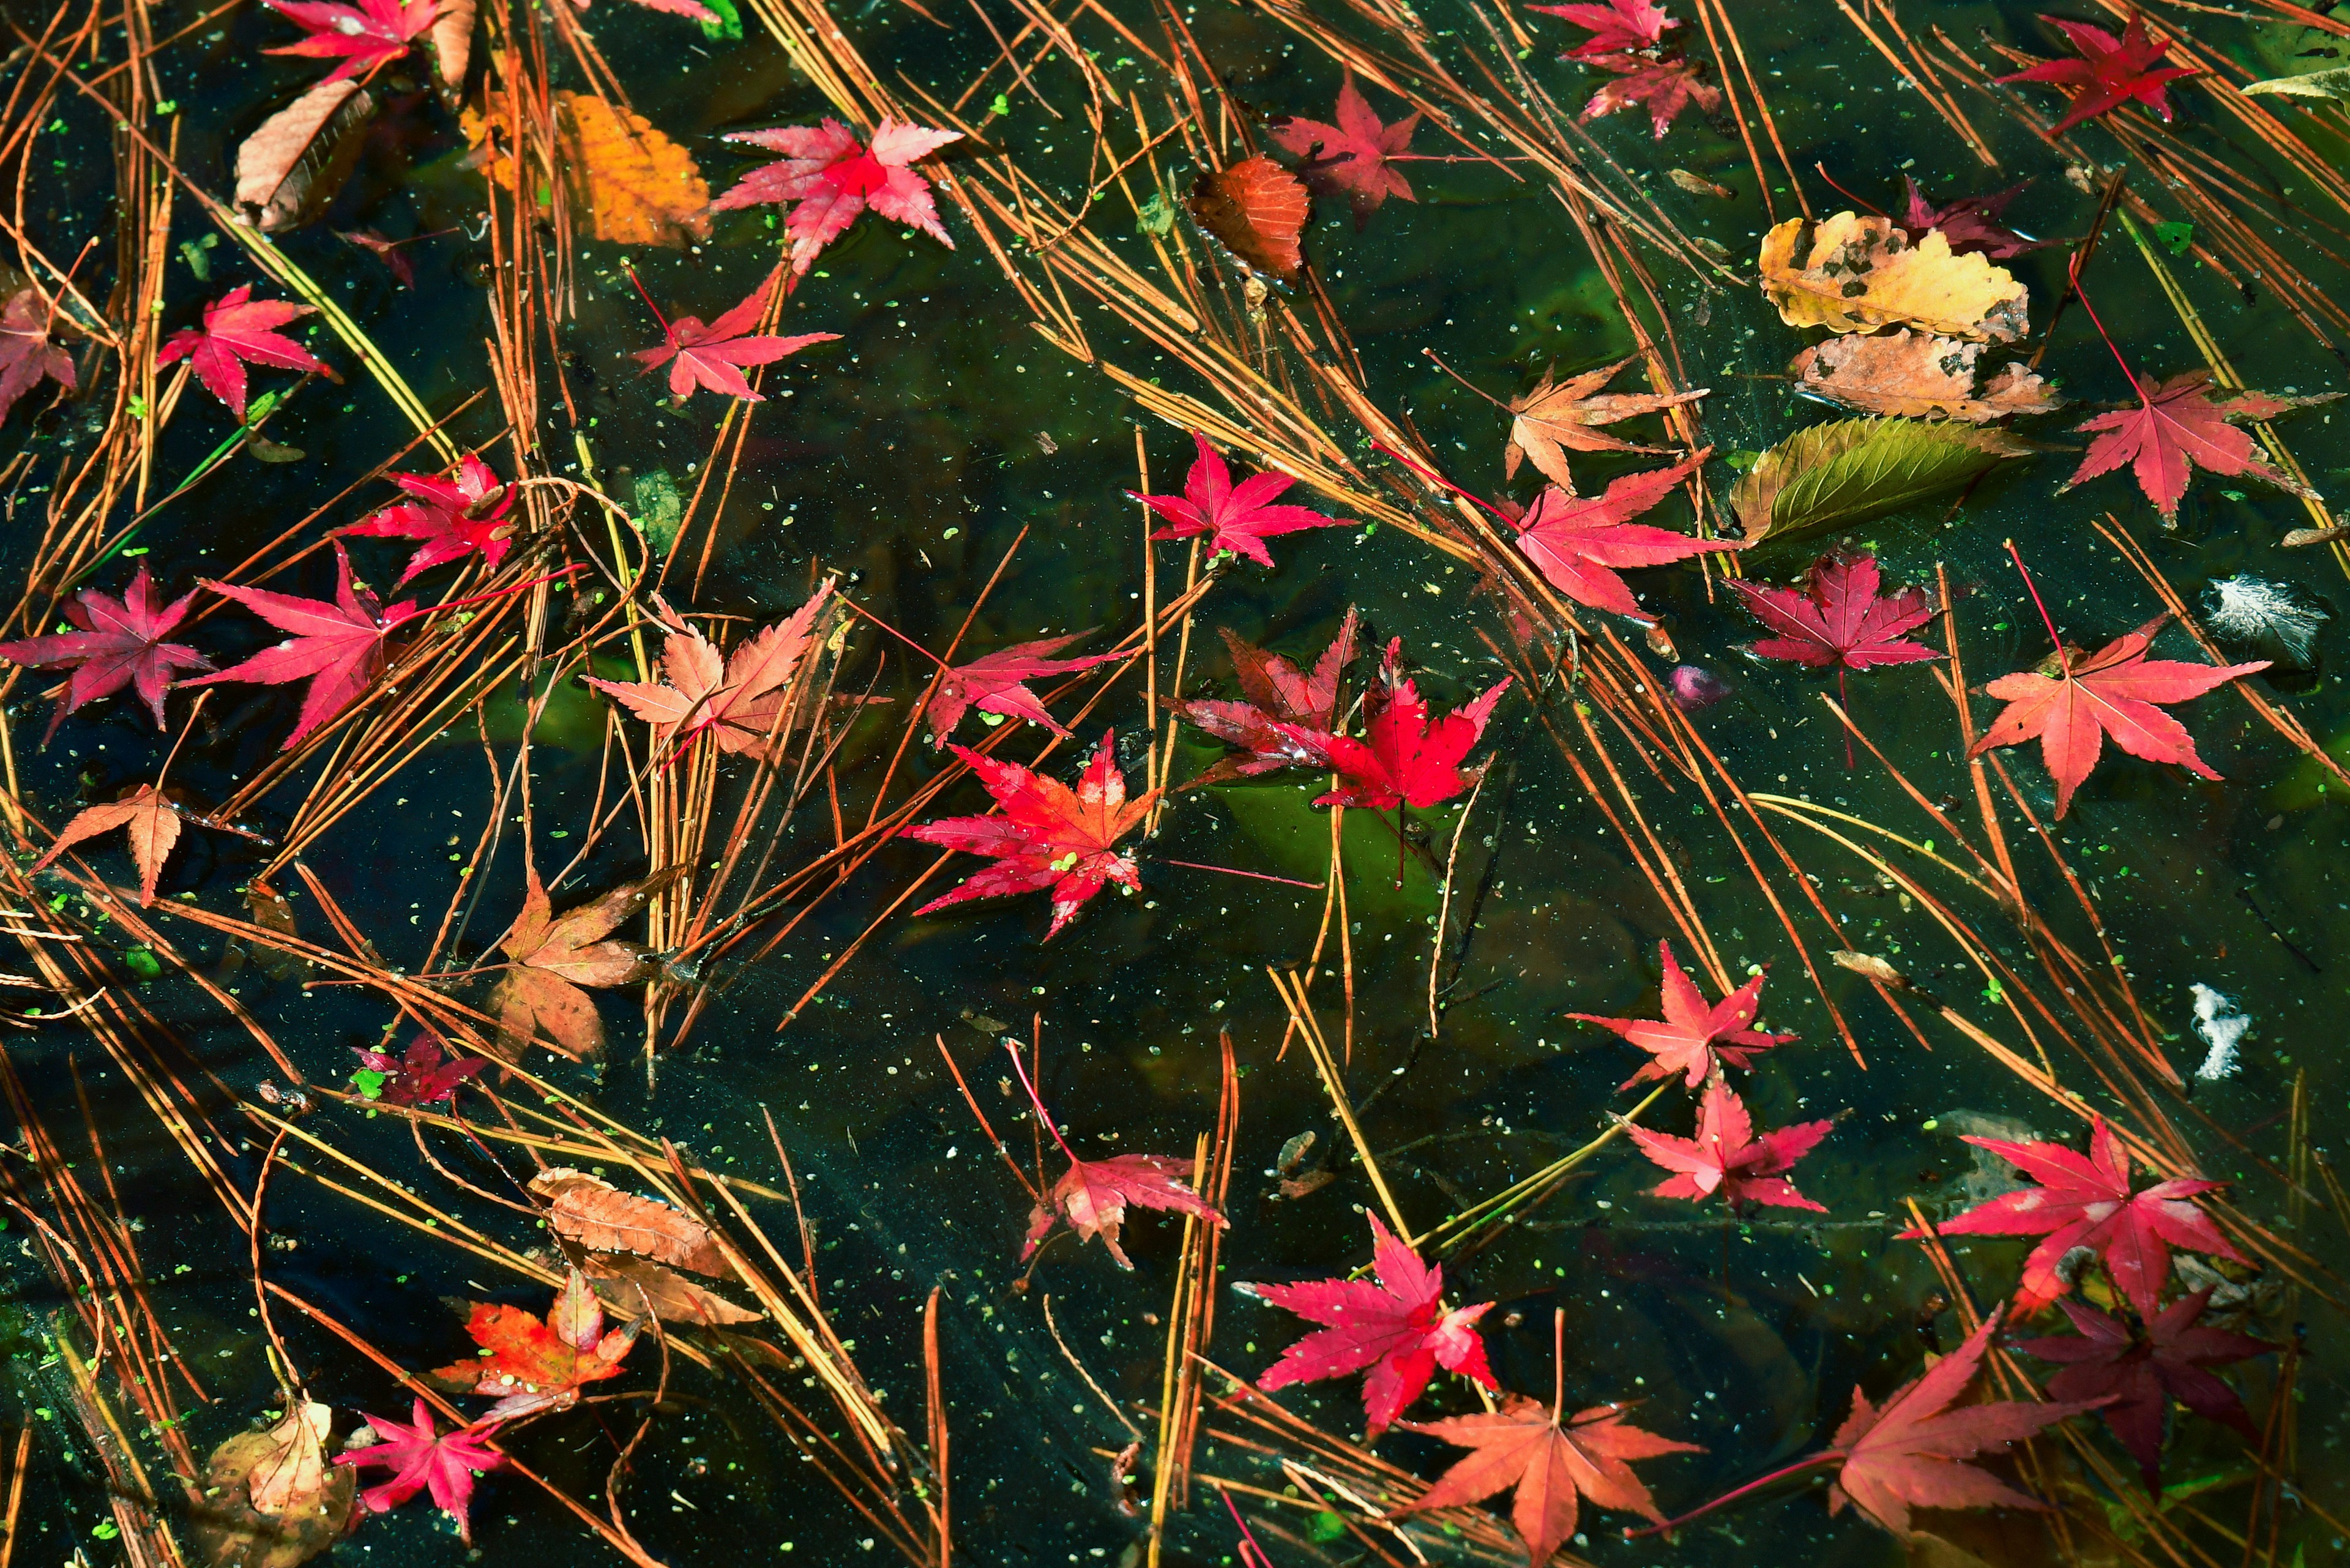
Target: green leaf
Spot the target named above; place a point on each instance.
(729, 26)
(1327, 1526)
(1848, 469)
(2334, 83)
(2176, 238)
(1156, 215)
(143, 962)
(369, 1083)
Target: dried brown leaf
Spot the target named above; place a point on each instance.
(630, 1285)
(287, 170)
(595, 1214)
(1917, 375)
(1551, 420)
(271, 1499)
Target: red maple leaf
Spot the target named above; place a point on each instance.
(1257, 211)
(2088, 1203)
(1282, 703)
(833, 177)
(420, 1456)
(713, 355)
(424, 1077)
(997, 683)
(1618, 27)
(26, 352)
(2176, 428)
(1664, 88)
(1048, 835)
(470, 514)
(1397, 1326)
(385, 250)
(2113, 692)
(1525, 1444)
(1579, 542)
(1727, 1157)
(117, 643)
(2141, 1371)
(1239, 517)
(1840, 620)
(1401, 759)
(531, 1363)
(1092, 1194)
(152, 825)
(339, 648)
(361, 36)
(737, 701)
(239, 330)
(1970, 224)
(1350, 158)
(2110, 72)
(1691, 1038)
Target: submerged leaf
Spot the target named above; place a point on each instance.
(636, 185)
(1838, 474)
(270, 1498)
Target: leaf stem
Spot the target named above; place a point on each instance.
(1824, 1456)
(1041, 1114)
(2046, 620)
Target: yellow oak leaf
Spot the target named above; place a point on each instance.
(1854, 274)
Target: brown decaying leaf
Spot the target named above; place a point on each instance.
(150, 822)
(1554, 418)
(1852, 274)
(554, 955)
(271, 1501)
(1256, 209)
(595, 1214)
(631, 1284)
(289, 169)
(2301, 538)
(1917, 375)
(451, 41)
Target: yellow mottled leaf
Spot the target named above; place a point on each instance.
(1918, 376)
(1853, 273)
(635, 185)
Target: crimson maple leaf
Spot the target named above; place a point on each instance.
(2110, 72)
(2113, 692)
(713, 355)
(1401, 759)
(1665, 89)
(1525, 1444)
(339, 648)
(423, 1077)
(997, 683)
(1239, 517)
(1970, 224)
(1691, 1038)
(240, 330)
(361, 36)
(1727, 1157)
(1092, 1194)
(1283, 703)
(532, 1363)
(117, 643)
(1397, 1326)
(1579, 542)
(2141, 1371)
(469, 514)
(422, 1457)
(738, 701)
(2088, 1203)
(1840, 620)
(1049, 836)
(1350, 158)
(26, 352)
(152, 825)
(833, 177)
(2178, 427)
(1618, 27)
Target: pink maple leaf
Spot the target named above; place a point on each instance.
(339, 648)
(997, 683)
(362, 36)
(467, 514)
(1351, 157)
(2109, 73)
(116, 643)
(716, 356)
(1579, 542)
(1663, 90)
(1238, 517)
(1401, 759)
(832, 177)
(1617, 26)
(1691, 1038)
(1839, 619)
(1725, 1155)
(26, 352)
(240, 330)
(422, 1458)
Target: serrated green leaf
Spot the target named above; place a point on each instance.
(1848, 469)
(2334, 83)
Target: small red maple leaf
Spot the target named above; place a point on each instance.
(1580, 542)
(420, 1456)
(1840, 620)
(240, 330)
(1092, 1194)
(997, 683)
(26, 352)
(1727, 1157)
(531, 1363)
(1692, 1039)
(2113, 692)
(1663, 88)
(469, 514)
(833, 177)
(737, 701)
(424, 1077)
(2178, 427)
(2088, 1203)
(1970, 224)
(1351, 157)
(1618, 27)
(1282, 703)
(361, 36)
(1397, 1326)
(152, 825)
(1238, 517)
(339, 648)
(714, 356)
(1401, 759)
(117, 643)
(1049, 836)
(2141, 1371)
(1550, 1461)
(2110, 72)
